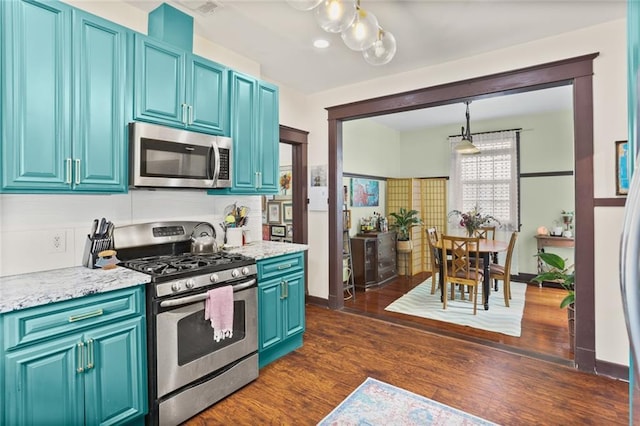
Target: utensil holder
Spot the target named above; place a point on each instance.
(92, 249)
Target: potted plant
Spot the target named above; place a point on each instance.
(404, 221)
(564, 275)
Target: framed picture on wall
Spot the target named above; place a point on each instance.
(622, 168)
(287, 212)
(278, 231)
(274, 212)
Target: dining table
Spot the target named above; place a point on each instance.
(485, 249)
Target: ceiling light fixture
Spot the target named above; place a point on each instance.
(466, 146)
(382, 50)
(362, 32)
(335, 16)
(321, 43)
(359, 28)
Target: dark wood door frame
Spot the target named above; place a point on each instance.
(577, 71)
(298, 139)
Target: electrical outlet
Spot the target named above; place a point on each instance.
(57, 242)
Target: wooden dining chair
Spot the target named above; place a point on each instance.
(463, 268)
(485, 233)
(432, 239)
(503, 273)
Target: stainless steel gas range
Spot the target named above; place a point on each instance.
(188, 370)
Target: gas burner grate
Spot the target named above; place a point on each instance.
(185, 263)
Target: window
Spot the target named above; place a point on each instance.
(488, 179)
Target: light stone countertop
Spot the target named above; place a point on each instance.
(40, 288)
(264, 249)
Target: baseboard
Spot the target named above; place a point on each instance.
(609, 369)
(528, 278)
(313, 300)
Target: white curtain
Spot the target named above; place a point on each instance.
(489, 180)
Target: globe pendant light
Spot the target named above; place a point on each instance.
(303, 4)
(382, 50)
(362, 32)
(335, 16)
(466, 146)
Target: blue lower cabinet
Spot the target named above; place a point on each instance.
(281, 312)
(91, 371)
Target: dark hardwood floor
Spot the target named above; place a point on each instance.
(545, 332)
(340, 351)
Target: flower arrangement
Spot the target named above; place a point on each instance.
(285, 182)
(473, 219)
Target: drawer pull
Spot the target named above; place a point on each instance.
(80, 357)
(90, 354)
(287, 266)
(86, 315)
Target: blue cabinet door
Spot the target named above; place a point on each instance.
(243, 117)
(43, 385)
(115, 381)
(36, 95)
(270, 313)
(268, 138)
(100, 126)
(294, 305)
(207, 96)
(159, 82)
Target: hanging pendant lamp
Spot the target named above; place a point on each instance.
(466, 146)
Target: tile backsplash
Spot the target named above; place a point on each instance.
(45, 231)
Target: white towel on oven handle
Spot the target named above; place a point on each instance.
(218, 308)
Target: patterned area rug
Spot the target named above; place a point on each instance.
(499, 319)
(379, 403)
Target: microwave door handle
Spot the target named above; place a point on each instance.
(216, 166)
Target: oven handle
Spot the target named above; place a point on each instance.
(203, 296)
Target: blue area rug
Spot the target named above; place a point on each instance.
(379, 403)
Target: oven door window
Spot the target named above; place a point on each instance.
(174, 160)
(195, 334)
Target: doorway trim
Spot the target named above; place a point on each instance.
(577, 71)
(298, 139)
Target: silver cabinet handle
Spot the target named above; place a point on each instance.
(90, 361)
(281, 290)
(77, 171)
(68, 178)
(80, 357)
(190, 110)
(287, 266)
(86, 315)
(286, 289)
(184, 113)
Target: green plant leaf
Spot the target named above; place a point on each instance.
(552, 260)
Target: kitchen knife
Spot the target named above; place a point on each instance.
(102, 229)
(94, 229)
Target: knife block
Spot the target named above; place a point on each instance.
(92, 249)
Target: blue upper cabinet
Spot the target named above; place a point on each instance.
(176, 88)
(52, 141)
(256, 135)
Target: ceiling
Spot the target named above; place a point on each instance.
(428, 32)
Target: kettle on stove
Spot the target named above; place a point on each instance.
(203, 242)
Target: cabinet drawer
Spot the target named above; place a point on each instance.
(53, 320)
(280, 265)
(386, 273)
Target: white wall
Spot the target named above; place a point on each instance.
(610, 123)
(29, 222)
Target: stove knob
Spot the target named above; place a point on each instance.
(214, 278)
(235, 273)
(191, 283)
(176, 286)
(245, 271)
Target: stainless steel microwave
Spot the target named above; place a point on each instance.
(164, 157)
